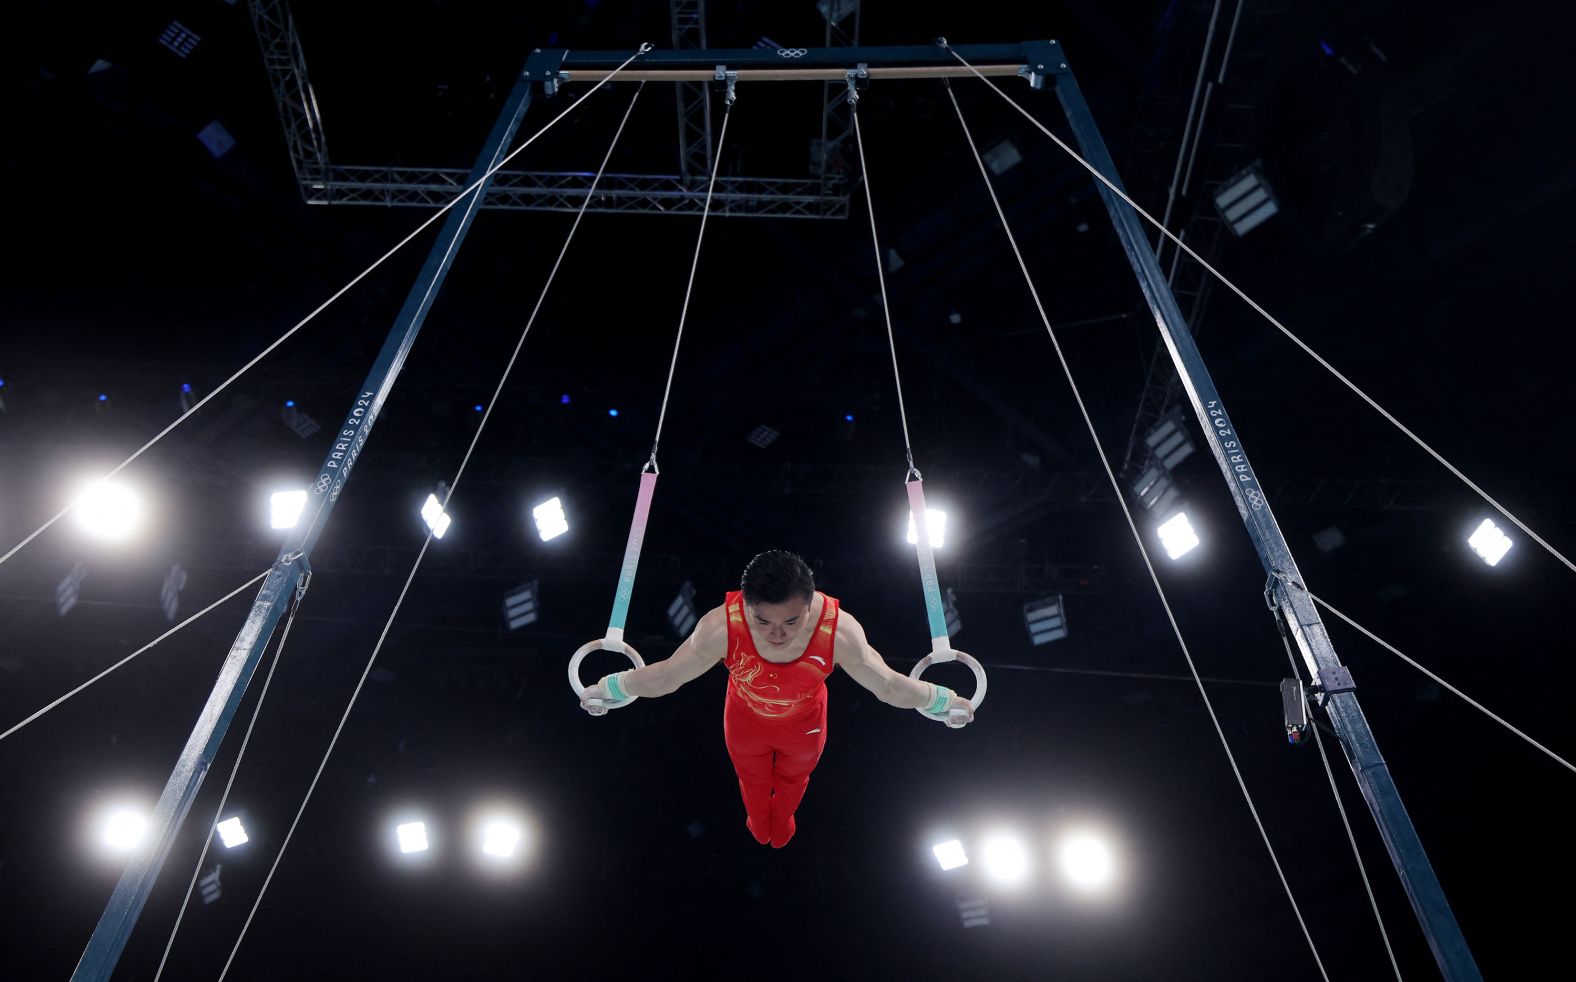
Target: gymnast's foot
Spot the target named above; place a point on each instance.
(758, 836)
(780, 836)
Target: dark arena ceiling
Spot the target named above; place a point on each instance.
(167, 226)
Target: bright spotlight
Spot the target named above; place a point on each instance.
(433, 514)
(1006, 859)
(950, 854)
(935, 521)
(231, 832)
(412, 836)
(1489, 542)
(550, 519)
(109, 511)
(500, 838)
(1086, 862)
(124, 828)
(1177, 535)
(285, 507)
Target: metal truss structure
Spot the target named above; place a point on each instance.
(822, 194)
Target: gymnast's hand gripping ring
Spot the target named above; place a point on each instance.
(599, 707)
(956, 717)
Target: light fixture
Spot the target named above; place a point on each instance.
(762, 436)
(1001, 158)
(935, 522)
(1245, 200)
(300, 423)
(550, 519)
(500, 838)
(974, 913)
(69, 589)
(1329, 539)
(109, 511)
(1489, 542)
(950, 854)
(1177, 535)
(1155, 489)
(412, 837)
(1169, 442)
(681, 612)
(519, 606)
(1046, 619)
(209, 885)
(432, 513)
(1086, 861)
(285, 508)
(232, 833)
(124, 828)
(1005, 859)
(170, 593)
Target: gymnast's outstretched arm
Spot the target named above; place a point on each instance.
(705, 646)
(864, 665)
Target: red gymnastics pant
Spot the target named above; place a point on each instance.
(773, 758)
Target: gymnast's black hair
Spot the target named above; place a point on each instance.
(776, 576)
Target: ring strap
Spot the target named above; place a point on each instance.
(626, 575)
(940, 640)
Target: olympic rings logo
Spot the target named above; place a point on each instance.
(323, 481)
(1255, 499)
(792, 52)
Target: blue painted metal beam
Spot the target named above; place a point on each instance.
(136, 882)
(1338, 696)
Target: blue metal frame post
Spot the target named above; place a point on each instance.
(1338, 696)
(136, 882)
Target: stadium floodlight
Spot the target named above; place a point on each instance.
(1245, 200)
(1046, 619)
(124, 828)
(1086, 861)
(935, 521)
(433, 514)
(1489, 542)
(950, 854)
(500, 838)
(681, 612)
(550, 519)
(1006, 859)
(1177, 535)
(232, 833)
(412, 836)
(1169, 442)
(109, 511)
(1156, 489)
(285, 508)
(519, 606)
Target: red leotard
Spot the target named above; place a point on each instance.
(774, 720)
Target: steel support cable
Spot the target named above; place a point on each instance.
(1137, 536)
(187, 622)
(1415, 664)
(1187, 127)
(1259, 309)
(886, 307)
(257, 710)
(689, 287)
(324, 305)
(400, 600)
(1335, 791)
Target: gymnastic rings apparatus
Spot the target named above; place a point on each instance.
(941, 649)
(613, 640)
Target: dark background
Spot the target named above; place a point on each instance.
(1424, 165)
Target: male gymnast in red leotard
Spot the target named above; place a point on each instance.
(779, 639)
